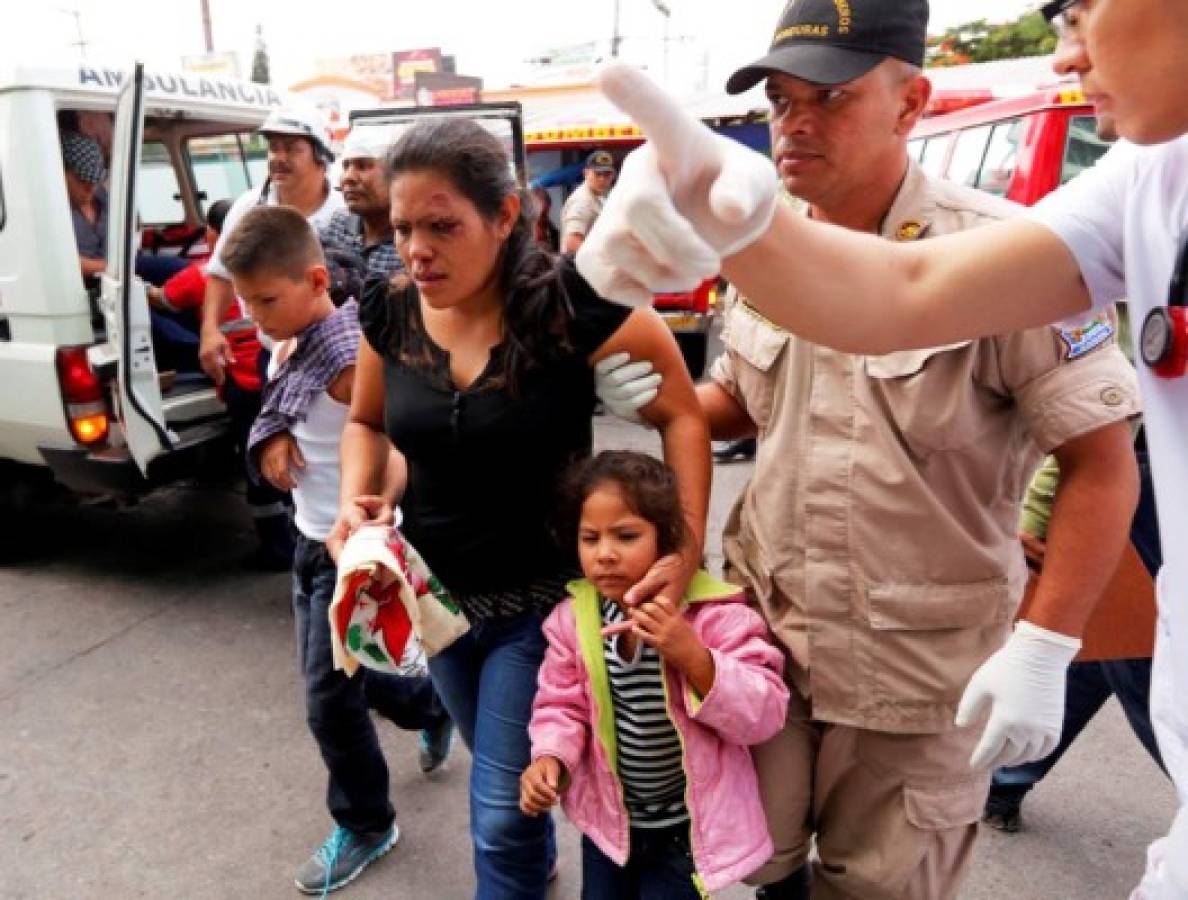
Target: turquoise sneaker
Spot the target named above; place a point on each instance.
(342, 858)
(435, 746)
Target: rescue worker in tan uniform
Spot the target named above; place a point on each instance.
(877, 534)
(582, 208)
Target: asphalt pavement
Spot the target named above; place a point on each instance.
(152, 740)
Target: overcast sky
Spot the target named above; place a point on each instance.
(707, 38)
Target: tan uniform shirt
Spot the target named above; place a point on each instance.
(878, 531)
(579, 212)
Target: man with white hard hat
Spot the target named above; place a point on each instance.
(298, 155)
(365, 226)
(691, 203)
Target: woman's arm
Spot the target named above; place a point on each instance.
(363, 452)
(684, 434)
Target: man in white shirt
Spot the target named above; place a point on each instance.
(298, 156)
(693, 202)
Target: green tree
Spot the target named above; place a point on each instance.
(260, 59)
(983, 41)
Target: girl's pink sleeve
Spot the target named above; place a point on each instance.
(560, 723)
(748, 701)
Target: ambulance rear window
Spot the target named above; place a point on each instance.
(226, 165)
(1083, 148)
(158, 193)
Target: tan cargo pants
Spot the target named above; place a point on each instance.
(894, 815)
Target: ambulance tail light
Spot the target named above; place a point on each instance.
(82, 396)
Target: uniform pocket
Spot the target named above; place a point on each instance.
(941, 808)
(926, 640)
(757, 344)
(925, 395)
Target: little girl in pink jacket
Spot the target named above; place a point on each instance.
(644, 715)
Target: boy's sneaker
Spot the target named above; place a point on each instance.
(1004, 812)
(341, 859)
(435, 745)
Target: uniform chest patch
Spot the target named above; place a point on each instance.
(1087, 334)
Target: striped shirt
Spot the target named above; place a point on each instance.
(649, 748)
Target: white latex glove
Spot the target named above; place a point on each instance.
(1166, 877)
(1023, 686)
(626, 387)
(683, 201)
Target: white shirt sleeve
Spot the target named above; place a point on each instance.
(244, 202)
(1089, 215)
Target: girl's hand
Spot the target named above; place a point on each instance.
(659, 623)
(367, 509)
(540, 785)
(279, 457)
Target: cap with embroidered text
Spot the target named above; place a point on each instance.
(600, 161)
(836, 41)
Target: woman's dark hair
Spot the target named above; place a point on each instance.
(649, 487)
(536, 311)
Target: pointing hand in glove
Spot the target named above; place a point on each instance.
(626, 387)
(683, 201)
(1022, 685)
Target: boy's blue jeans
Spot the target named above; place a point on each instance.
(337, 707)
(487, 680)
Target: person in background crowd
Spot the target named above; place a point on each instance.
(177, 307)
(85, 172)
(546, 232)
(365, 226)
(878, 534)
(298, 155)
(583, 206)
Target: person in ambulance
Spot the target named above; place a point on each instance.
(690, 203)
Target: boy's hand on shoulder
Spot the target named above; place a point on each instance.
(280, 457)
(541, 785)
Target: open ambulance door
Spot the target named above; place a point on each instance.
(504, 120)
(122, 299)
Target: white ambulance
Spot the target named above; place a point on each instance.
(82, 405)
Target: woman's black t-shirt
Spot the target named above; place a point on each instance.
(484, 462)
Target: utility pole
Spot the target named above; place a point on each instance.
(664, 10)
(616, 38)
(81, 43)
(206, 26)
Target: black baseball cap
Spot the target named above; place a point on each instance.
(835, 41)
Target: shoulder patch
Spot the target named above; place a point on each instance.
(910, 230)
(1086, 335)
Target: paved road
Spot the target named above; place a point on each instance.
(152, 741)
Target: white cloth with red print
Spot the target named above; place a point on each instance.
(388, 609)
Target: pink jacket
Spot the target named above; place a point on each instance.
(572, 719)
